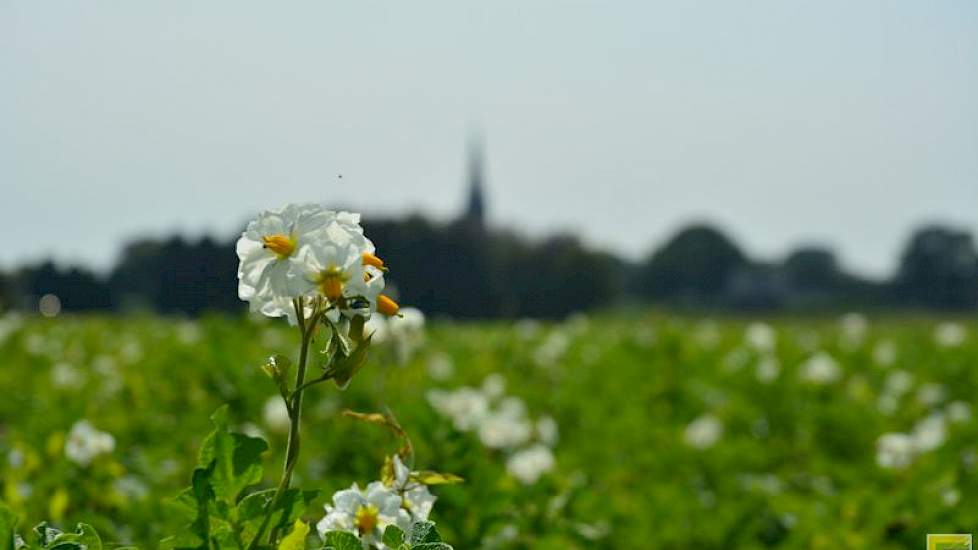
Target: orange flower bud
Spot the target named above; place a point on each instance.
(387, 306)
(370, 259)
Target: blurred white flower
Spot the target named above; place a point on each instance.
(821, 368)
(378, 327)
(440, 367)
(10, 323)
(466, 407)
(365, 513)
(253, 430)
(85, 443)
(528, 465)
(884, 353)
(502, 538)
(760, 336)
(276, 415)
(930, 395)
(131, 487)
(950, 496)
(188, 332)
(768, 368)
(898, 383)
(407, 332)
(894, 451)
(547, 430)
(15, 458)
(854, 327)
(703, 432)
(553, 348)
(930, 433)
(958, 412)
(949, 335)
(502, 430)
(526, 329)
(494, 386)
(66, 376)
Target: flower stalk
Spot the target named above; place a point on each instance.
(293, 403)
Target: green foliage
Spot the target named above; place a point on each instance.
(234, 460)
(45, 537)
(341, 540)
(8, 526)
(795, 467)
(218, 512)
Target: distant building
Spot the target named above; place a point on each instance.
(475, 208)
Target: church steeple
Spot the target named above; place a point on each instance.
(475, 208)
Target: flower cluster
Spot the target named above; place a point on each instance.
(400, 501)
(310, 255)
(501, 423)
(898, 450)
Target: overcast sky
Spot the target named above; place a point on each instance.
(845, 123)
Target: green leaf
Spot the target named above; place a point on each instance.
(251, 509)
(346, 367)
(431, 546)
(424, 531)
(428, 477)
(342, 540)
(393, 536)
(236, 458)
(296, 539)
(8, 527)
(85, 538)
(343, 343)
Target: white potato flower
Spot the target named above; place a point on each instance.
(930, 433)
(85, 443)
(304, 251)
(276, 415)
(528, 465)
(269, 251)
(467, 407)
(703, 432)
(949, 335)
(760, 336)
(821, 368)
(365, 513)
(417, 499)
(884, 353)
(501, 430)
(895, 451)
(547, 430)
(959, 411)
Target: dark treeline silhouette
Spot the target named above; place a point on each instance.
(463, 270)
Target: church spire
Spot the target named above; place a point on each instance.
(475, 208)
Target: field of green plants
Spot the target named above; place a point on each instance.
(610, 431)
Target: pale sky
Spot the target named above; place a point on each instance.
(844, 123)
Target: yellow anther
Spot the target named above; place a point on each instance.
(366, 518)
(331, 282)
(282, 245)
(387, 306)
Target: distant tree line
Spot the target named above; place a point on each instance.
(463, 270)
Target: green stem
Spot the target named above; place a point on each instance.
(295, 418)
